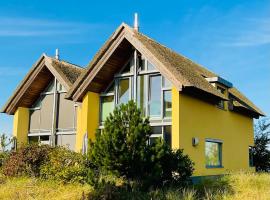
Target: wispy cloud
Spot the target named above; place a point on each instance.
(28, 27)
(253, 32)
(12, 71)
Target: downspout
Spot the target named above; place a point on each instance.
(55, 107)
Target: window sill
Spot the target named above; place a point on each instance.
(213, 167)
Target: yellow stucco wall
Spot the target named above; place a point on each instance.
(20, 125)
(87, 118)
(175, 118)
(196, 118)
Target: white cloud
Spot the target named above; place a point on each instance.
(12, 71)
(26, 27)
(253, 32)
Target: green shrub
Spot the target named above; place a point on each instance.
(26, 161)
(64, 165)
(169, 167)
(3, 158)
(56, 163)
(122, 146)
(121, 149)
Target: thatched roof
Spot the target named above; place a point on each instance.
(185, 74)
(244, 101)
(69, 71)
(188, 73)
(39, 76)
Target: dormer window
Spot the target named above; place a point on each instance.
(221, 103)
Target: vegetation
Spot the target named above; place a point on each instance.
(261, 150)
(239, 186)
(122, 150)
(5, 141)
(23, 188)
(64, 165)
(43, 161)
(121, 164)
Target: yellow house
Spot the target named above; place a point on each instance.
(189, 106)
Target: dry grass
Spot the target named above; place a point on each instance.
(238, 186)
(249, 186)
(28, 189)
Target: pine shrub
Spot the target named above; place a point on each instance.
(122, 149)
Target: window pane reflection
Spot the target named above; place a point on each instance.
(124, 90)
(141, 94)
(155, 96)
(213, 153)
(106, 107)
(167, 103)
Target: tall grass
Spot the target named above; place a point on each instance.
(237, 186)
(28, 189)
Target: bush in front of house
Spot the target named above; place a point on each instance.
(3, 158)
(26, 161)
(57, 163)
(64, 165)
(122, 149)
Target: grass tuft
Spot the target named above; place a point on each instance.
(31, 188)
(237, 186)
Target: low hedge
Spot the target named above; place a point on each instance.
(46, 162)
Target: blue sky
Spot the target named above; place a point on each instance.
(229, 37)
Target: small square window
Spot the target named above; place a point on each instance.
(213, 153)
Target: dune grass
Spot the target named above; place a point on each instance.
(237, 186)
(28, 188)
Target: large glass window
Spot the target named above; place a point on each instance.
(167, 103)
(142, 93)
(150, 67)
(128, 67)
(156, 134)
(150, 90)
(107, 105)
(213, 153)
(167, 132)
(159, 132)
(123, 91)
(155, 96)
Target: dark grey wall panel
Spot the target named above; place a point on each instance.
(67, 141)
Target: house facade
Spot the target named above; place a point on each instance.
(190, 107)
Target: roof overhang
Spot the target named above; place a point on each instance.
(36, 80)
(243, 109)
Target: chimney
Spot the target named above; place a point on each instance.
(57, 54)
(136, 22)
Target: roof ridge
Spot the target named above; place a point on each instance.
(64, 61)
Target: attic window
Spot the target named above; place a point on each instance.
(221, 103)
